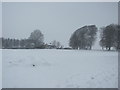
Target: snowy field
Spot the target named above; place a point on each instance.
(59, 69)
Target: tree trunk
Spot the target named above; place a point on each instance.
(90, 47)
(109, 48)
(106, 47)
(102, 48)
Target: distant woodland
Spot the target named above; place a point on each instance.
(82, 38)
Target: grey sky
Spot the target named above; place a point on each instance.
(57, 21)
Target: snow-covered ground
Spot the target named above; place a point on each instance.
(59, 69)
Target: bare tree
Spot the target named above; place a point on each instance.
(36, 38)
(83, 38)
(56, 44)
(109, 36)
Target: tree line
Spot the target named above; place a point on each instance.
(82, 38)
(35, 40)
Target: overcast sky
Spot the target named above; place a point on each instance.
(57, 21)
